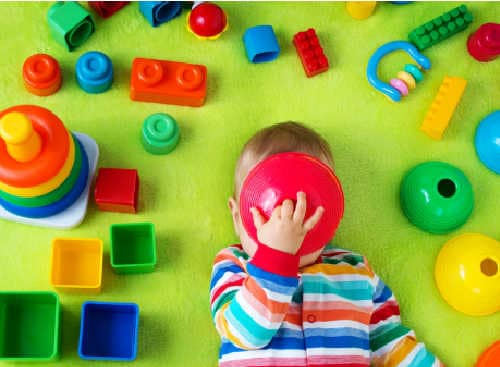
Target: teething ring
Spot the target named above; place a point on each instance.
(53, 155)
(371, 70)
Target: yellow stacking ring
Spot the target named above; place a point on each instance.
(47, 186)
(408, 79)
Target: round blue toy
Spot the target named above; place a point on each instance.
(94, 72)
(388, 89)
(487, 141)
(261, 44)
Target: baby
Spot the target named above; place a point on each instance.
(328, 308)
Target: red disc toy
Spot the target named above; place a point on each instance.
(280, 177)
(207, 20)
(484, 44)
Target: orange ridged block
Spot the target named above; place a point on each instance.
(439, 114)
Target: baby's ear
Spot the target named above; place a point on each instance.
(235, 214)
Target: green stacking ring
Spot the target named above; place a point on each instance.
(160, 133)
(414, 71)
(436, 197)
(54, 195)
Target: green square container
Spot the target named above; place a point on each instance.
(133, 248)
(29, 326)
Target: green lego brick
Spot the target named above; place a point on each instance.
(70, 24)
(441, 28)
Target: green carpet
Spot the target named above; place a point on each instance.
(184, 194)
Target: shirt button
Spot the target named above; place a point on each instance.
(311, 318)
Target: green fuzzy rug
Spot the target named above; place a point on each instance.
(184, 194)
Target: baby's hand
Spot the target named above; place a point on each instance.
(286, 229)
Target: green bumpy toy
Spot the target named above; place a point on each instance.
(436, 197)
(160, 134)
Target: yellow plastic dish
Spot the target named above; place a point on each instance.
(467, 274)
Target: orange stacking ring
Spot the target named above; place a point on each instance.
(56, 143)
(42, 75)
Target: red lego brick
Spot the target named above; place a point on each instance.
(107, 8)
(117, 190)
(310, 52)
(168, 82)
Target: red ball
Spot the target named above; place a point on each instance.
(280, 177)
(207, 20)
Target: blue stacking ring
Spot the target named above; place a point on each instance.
(261, 44)
(94, 72)
(59, 206)
(415, 72)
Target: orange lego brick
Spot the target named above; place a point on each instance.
(439, 114)
(168, 82)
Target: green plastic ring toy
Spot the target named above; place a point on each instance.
(160, 133)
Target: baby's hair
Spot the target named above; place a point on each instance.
(283, 137)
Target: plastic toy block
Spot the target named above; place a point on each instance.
(441, 28)
(109, 331)
(439, 115)
(168, 82)
(76, 264)
(160, 133)
(360, 9)
(70, 24)
(159, 12)
(29, 326)
(484, 44)
(94, 72)
(42, 75)
(133, 248)
(310, 52)
(261, 44)
(107, 8)
(117, 190)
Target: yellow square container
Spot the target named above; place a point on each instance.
(76, 264)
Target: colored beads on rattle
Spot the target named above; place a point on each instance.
(22, 141)
(407, 79)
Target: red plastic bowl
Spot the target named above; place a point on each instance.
(280, 177)
(207, 20)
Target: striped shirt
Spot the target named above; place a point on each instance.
(334, 313)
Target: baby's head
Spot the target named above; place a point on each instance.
(283, 137)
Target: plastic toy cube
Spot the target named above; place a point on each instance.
(117, 190)
(29, 326)
(310, 52)
(76, 264)
(169, 82)
(109, 331)
(159, 12)
(107, 8)
(70, 24)
(133, 248)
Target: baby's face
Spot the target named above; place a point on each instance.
(248, 244)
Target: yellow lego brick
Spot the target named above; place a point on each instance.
(439, 114)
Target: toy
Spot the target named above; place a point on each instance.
(439, 114)
(261, 44)
(94, 72)
(436, 197)
(159, 12)
(107, 8)
(310, 52)
(490, 357)
(441, 28)
(45, 186)
(160, 134)
(484, 44)
(467, 274)
(360, 9)
(30, 326)
(280, 177)
(487, 141)
(207, 21)
(70, 24)
(76, 264)
(168, 82)
(133, 248)
(109, 331)
(42, 75)
(117, 190)
(396, 89)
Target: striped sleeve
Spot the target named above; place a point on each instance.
(249, 305)
(392, 344)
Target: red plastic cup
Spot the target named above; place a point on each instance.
(484, 44)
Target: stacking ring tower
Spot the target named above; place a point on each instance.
(45, 170)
